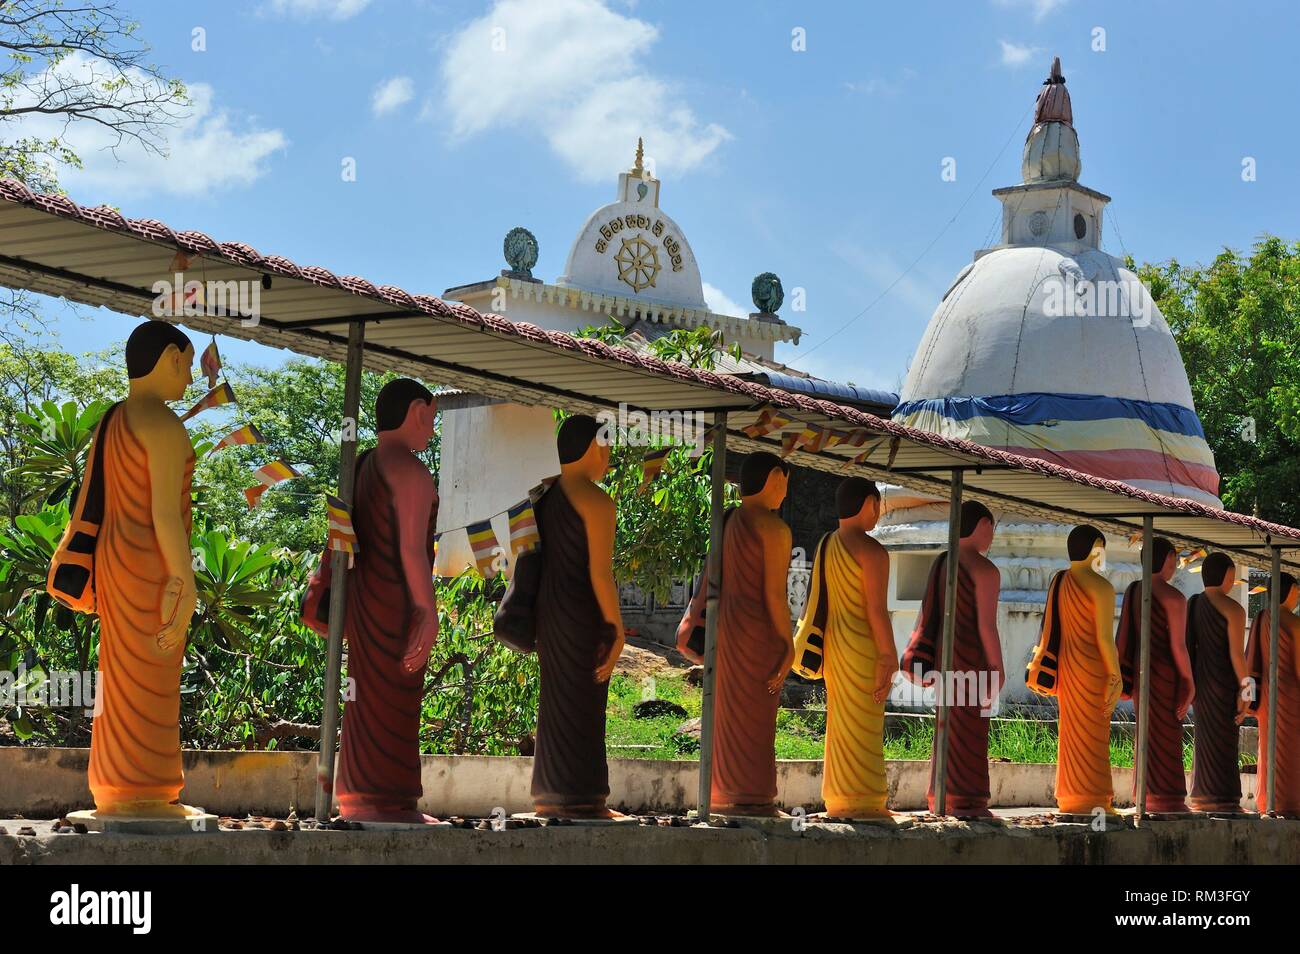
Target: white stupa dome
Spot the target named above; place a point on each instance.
(1050, 347)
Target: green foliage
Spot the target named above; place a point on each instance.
(35, 372)
(58, 438)
(1237, 323)
(230, 578)
(662, 533)
(481, 697)
(297, 407)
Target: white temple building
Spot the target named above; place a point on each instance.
(1047, 346)
(631, 262)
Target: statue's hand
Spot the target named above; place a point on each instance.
(1114, 686)
(886, 666)
(605, 672)
(423, 634)
(176, 610)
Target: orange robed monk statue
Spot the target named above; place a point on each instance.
(975, 679)
(132, 515)
(392, 616)
(1216, 631)
(579, 628)
(1079, 632)
(754, 643)
(1171, 690)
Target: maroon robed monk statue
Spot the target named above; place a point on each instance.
(579, 629)
(1171, 689)
(392, 617)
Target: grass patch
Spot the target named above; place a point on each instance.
(801, 734)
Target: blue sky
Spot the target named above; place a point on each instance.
(822, 165)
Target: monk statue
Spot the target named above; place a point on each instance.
(1081, 613)
(1216, 631)
(977, 673)
(392, 617)
(143, 583)
(860, 657)
(755, 646)
(579, 628)
(1171, 689)
(1287, 774)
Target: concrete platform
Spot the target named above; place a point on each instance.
(1020, 837)
(48, 782)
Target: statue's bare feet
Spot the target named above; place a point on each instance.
(580, 812)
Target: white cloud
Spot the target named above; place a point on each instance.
(571, 70)
(1014, 54)
(207, 148)
(720, 304)
(391, 94)
(1041, 9)
(329, 9)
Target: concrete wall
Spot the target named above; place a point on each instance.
(46, 782)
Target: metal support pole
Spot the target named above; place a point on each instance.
(339, 575)
(1144, 668)
(1274, 625)
(945, 653)
(714, 585)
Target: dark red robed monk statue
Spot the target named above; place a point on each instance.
(392, 617)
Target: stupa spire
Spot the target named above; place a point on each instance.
(1052, 146)
(638, 167)
(1053, 104)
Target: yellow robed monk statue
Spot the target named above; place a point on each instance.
(1078, 641)
(860, 658)
(126, 557)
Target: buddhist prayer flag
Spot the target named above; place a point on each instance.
(1258, 589)
(341, 536)
(268, 476)
(814, 437)
(769, 420)
(248, 434)
(523, 527)
(789, 442)
(483, 541)
(652, 464)
(893, 452)
(862, 458)
(855, 438)
(210, 363)
(218, 396)
(276, 471)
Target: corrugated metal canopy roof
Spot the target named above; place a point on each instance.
(51, 245)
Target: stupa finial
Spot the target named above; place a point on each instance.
(638, 167)
(1053, 104)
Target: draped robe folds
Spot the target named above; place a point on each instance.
(967, 782)
(1287, 780)
(573, 639)
(749, 650)
(379, 756)
(1166, 783)
(854, 783)
(1083, 781)
(1216, 777)
(135, 745)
